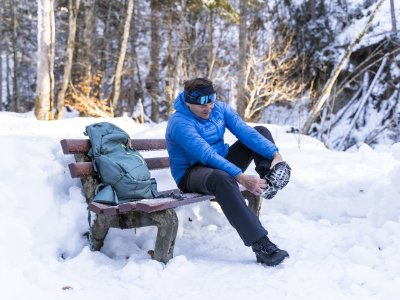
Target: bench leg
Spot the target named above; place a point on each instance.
(254, 202)
(99, 231)
(167, 228)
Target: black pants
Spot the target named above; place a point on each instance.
(210, 181)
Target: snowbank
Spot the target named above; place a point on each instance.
(338, 218)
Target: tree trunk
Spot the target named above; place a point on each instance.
(241, 84)
(1, 80)
(8, 96)
(393, 15)
(313, 10)
(335, 73)
(15, 99)
(138, 91)
(121, 58)
(170, 72)
(86, 70)
(210, 42)
(132, 87)
(72, 14)
(1, 63)
(45, 75)
(153, 78)
(182, 48)
(363, 102)
(104, 57)
(76, 73)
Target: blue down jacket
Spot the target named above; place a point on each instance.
(192, 140)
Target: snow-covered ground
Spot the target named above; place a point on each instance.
(339, 219)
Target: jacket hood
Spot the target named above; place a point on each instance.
(179, 103)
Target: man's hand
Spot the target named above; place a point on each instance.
(252, 183)
(276, 158)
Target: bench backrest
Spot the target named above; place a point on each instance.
(83, 169)
(83, 165)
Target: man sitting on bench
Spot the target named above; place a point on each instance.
(201, 162)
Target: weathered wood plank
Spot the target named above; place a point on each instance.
(82, 169)
(148, 205)
(165, 203)
(100, 208)
(105, 209)
(82, 146)
(127, 207)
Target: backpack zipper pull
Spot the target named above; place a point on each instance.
(134, 154)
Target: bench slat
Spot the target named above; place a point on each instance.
(155, 163)
(148, 205)
(82, 169)
(82, 146)
(127, 207)
(165, 203)
(100, 208)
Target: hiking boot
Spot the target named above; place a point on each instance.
(269, 192)
(268, 253)
(277, 178)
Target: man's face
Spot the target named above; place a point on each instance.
(201, 111)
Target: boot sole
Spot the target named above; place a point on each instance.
(273, 264)
(280, 175)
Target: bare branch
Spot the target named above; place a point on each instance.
(335, 73)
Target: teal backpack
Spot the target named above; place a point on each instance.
(123, 171)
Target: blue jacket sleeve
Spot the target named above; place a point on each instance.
(186, 135)
(248, 135)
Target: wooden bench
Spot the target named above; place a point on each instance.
(147, 212)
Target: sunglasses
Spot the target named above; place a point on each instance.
(201, 100)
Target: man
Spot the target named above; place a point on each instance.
(201, 162)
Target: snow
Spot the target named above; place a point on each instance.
(381, 24)
(339, 219)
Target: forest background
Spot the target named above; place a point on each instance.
(330, 69)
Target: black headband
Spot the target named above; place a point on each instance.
(201, 96)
